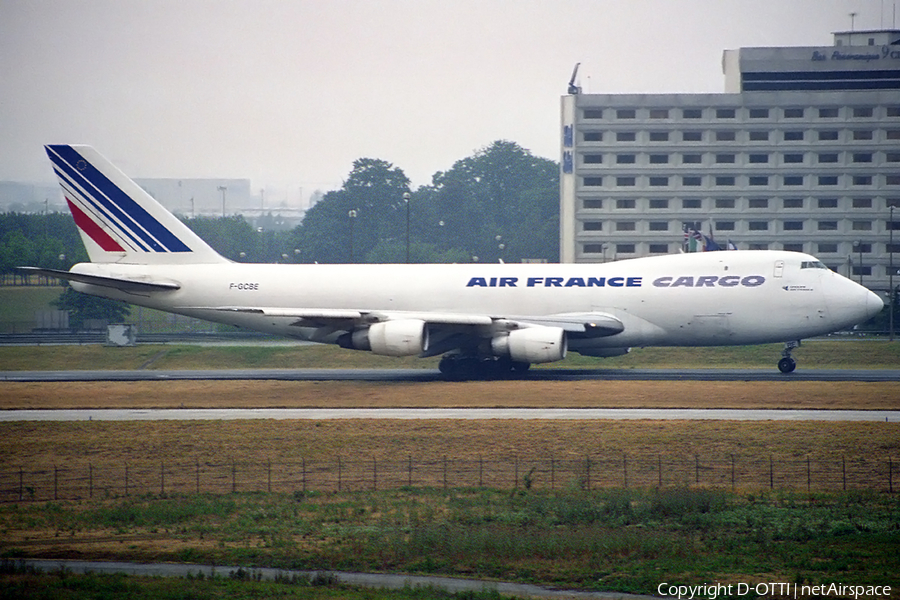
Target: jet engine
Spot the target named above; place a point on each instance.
(403, 337)
(532, 345)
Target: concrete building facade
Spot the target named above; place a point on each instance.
(801, 152)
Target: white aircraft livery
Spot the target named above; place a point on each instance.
(485, 319)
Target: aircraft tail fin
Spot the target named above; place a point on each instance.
(118, 221)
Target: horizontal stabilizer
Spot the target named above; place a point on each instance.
(125, 285)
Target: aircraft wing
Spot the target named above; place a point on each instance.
(118, 283)
(581, 325)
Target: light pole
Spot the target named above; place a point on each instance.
(858, 245)
(223, 189)
(351, 214)
(406, 197)
(891, 275)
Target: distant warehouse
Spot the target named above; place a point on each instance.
(801, 152)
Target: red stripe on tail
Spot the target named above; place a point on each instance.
(87, 225)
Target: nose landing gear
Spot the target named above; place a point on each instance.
(787, 364)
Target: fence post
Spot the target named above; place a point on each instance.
(90, 480)
(844, 471)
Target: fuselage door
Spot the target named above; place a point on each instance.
(779, 268)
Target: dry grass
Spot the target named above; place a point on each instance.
(587, 394)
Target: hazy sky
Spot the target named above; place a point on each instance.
(294, 91)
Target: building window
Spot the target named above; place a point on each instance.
(725, 136)
(593, 136)
(691, 203)
(792, 247)
(893, 111)
(724, 225)
(692, 136)
(758, 225)
(691, 159)
(725, 113)
(625, 226)
(759, 159)
(593, 113)
(725, 158)
(659, 248)
(793, 136)
(759, 113)
(792, 158)
(691, 181)
(862, 203)
(593, 159)
(830, 135)
(827, 249)
(758, 203)
(659, 181)
(827, 225)
(863, 134)
(625, 181)
(725, 180)
(659, 136)
(793, 113)
(893, 134)
(593, 181)
(892, 180)
(592, 248)
(828, 202)
(862, 180)
(759, 136)
(659, 203)
(757, 180)
(691, 113)
(758, 246)
(625, 203)
(724, 202)
(792, 203)
(624, 248)
(793, 225)
(862, 270)
(659, 159)
(626, 159)
(626, 113)
(625, 136)
(862, 157)
(863, 112)
(592, 225)
(892, 157)
(862, 226)
(592, 203)
(659, 113)
(827, 157)
(828, 113)
(793, 180)
(659, 225)
(828, 180)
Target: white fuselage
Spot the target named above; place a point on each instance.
(703, 299)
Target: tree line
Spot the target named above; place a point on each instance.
(501, 203)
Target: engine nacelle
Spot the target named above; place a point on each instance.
(403, 337)
(532, 344)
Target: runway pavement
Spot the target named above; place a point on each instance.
(424, 375)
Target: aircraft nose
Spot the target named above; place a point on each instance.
(874, 304)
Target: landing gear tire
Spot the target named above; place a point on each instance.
(461, 367)
(787, 365)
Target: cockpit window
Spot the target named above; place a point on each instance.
(812, 264)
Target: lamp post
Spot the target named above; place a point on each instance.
(406, 197)
(858, 245)
(891, 275)
(351, 215)
(223, 189)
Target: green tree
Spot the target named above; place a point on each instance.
(82, 307)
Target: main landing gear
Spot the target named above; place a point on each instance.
(787, 364)
(466, 366)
